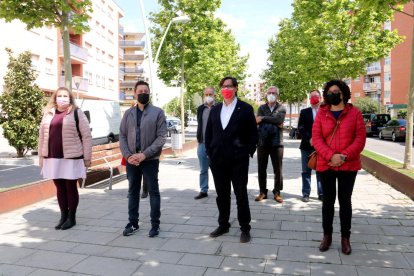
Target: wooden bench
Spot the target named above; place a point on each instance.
(104, 164)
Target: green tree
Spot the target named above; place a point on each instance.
(389, 6)
(21, 103)
(325, 40)
(61, 14)
(209, 51)
(366, 105)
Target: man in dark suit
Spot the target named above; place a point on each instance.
(231, 137)
(306, 118)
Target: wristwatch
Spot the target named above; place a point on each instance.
(343, 157)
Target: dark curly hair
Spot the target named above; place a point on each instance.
(346, 92)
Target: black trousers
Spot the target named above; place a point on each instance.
(346, 181)
(234, 172)
(276, 155)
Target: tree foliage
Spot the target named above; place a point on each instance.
(21, 103)
(325, 40)
(210, 51)
(61, 14)
(366, 105)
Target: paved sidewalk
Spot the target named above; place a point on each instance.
(285, 237)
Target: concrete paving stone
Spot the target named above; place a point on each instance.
(161, 256)
(300, 226)
(50, 272)
(387, 247)
(191, 246)
(376, 271)
(275, 242)
(103, 229)
(185, 228)
(11, 254)
(288, 235)
(123, 253)
(203, 213)
(243, 264)
(333, 269)
(260, 233)
(410, 258)
(92, 237)
(116, 216)
(15, 270)
(174, 219)
(248, 250)
(201, 260)
(287, 268)
(407, 222)
(205, 221)
(397, 240)
(310, 254)
(265, 224)
(359, 220)
(97, 222)
(181, 211)
(291, 217)
(384, 221)
(409, 248)
(90, 249)
(366, 229)
(23, 242)
(194, 236)
(275, 209)
(226, 272)
(375, 258)
(259, 216)
(51, 260)
(398, 231)
(315, 244)
(59, 246)
(161, 269)
(136, 241)
(105, 266)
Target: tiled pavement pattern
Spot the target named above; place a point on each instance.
(285, 237)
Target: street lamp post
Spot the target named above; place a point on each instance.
(77, 80)
(379, 100)
(179, 19)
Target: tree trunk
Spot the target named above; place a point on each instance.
(66, 50)
(410, 112)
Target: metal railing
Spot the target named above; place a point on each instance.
(76, 51)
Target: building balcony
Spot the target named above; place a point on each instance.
(371, 86)
(127, 84)
(132, 44)
(83, 86)
(371, 70)
(78, 54)
(133, 57)
(131, 71)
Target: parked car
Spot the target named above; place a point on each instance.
(394, 130)
(288, 124)
(375, 121)
(173, 125)
(192, 121)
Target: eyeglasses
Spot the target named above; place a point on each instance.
(227, 86)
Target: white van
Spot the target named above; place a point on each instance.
(105, 119)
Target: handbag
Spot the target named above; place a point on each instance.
(313, 157)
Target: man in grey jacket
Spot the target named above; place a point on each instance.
(141, 137)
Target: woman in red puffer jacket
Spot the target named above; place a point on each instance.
(339, 159)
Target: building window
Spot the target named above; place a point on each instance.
(387, 76)
(387, 25)
(387, 94)
(110, 84)
(103, 82)
(387, 61)
(35, 62)
(90, 78)
(98, 80)
(49, 66)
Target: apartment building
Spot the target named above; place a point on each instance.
(94, 56)
(387, 81)
(131, 67)
(255, 89)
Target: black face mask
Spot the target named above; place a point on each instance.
(143, 98)
(334, 98)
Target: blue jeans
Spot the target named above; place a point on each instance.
(306, 175)
(203, 160)
(148, 169)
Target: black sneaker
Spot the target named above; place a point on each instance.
(144, 195)
(219, 231)
(155, 230)
(201, 195)
(130, 229)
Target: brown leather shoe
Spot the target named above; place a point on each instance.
(260, 197)
(346, 246)
(278, 198)
(325, 243)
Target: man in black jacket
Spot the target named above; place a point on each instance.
(203, 112)
(270, 118)
(306, 118)
(231, 137)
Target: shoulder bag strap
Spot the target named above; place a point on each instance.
(333, 132)
(77, 122)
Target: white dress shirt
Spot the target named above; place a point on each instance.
(314, 111)
(226, 111)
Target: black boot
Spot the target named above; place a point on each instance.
(71, 221)
(63, 217)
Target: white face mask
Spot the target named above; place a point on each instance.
(208, 100)
(62, 101)
(271, 98)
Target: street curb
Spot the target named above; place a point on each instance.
(33, 192)
(394, 178)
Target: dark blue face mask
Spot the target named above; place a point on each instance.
(334, 98)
